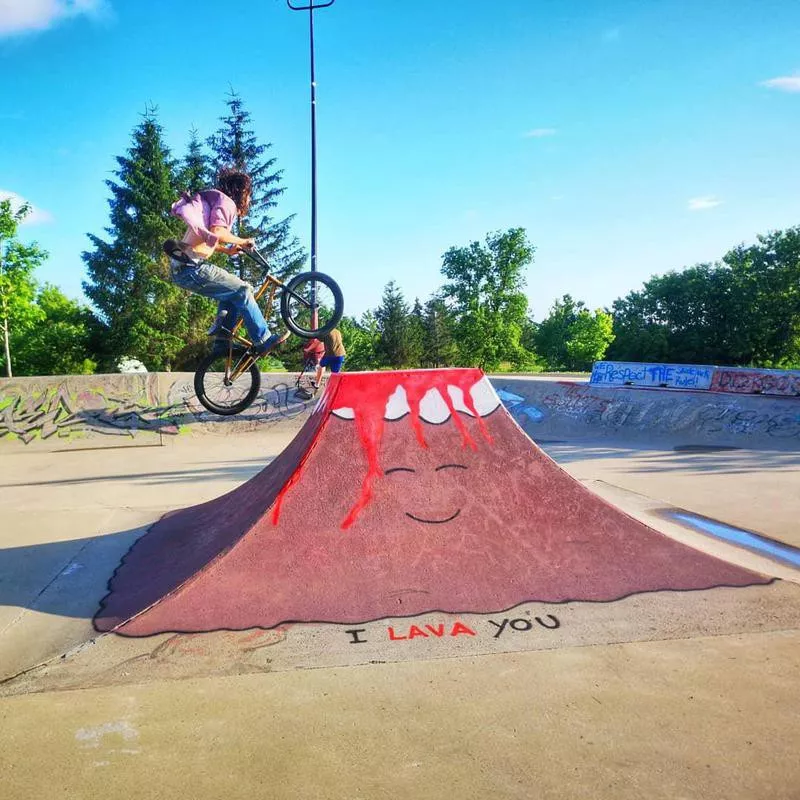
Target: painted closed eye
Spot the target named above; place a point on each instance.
(398, 469)
(451, 466)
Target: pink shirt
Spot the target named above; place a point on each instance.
(204, 211)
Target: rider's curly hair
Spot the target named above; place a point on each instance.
(238, 186)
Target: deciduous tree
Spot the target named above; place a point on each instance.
(18, 311)
(485, 291)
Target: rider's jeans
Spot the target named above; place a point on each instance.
(232, 293)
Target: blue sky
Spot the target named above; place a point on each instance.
(628, 138)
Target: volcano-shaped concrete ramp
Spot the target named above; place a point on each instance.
(405, 493)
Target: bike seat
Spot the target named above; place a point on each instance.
(180, 251)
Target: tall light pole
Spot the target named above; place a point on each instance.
(311, 7)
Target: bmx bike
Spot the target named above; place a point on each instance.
(228, 380)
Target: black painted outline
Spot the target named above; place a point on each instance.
(433, 521)
(456, 613)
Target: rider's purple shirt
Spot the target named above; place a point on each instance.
(204, 211)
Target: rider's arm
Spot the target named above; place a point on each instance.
(224, 236)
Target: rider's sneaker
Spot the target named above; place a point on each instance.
(268, 344)
(218, 331)
(217, 327)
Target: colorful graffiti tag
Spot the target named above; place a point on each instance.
(754, 381)
(673, 376)
(117, 406)
(146, 407)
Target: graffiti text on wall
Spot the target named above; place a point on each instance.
(675, 376)
(57, 411)
(752, 381)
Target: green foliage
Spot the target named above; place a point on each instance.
(415, 335)
(571, 337)
(394, 324)
(235, 144)
(484, 289)
(765, 300)
(59, 343)
(18, 311)
(145, 315)
(360, 340)
(439, 348)
(195, 170)
(742, 310)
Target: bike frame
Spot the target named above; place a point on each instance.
(270, 284)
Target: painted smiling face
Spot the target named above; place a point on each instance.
(430, 509)
(412, 492)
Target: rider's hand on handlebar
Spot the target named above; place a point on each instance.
(247, 244)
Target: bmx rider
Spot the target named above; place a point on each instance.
(209, 216)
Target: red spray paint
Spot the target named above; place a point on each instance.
(367, 394)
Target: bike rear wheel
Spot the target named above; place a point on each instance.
(305, 293)
(217, 392)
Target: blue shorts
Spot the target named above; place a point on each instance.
(334, 362)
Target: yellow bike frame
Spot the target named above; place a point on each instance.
(271, 284)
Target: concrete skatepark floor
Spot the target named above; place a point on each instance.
(688, 710)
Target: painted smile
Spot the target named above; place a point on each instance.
(434, 521)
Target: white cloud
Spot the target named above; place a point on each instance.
(20, 16)
(538, 133)
(786, 83)
(36, 216)
(703, 203)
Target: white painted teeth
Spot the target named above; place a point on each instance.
(432, 407)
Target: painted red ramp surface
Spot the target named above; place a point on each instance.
(404, 493)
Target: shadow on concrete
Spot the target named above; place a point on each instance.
(242, 470)
(66, 579)
(641, 460)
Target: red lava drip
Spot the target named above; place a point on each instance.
(367, 394)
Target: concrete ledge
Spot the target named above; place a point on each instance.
(568, 411)
(131, 410)
(141, 410)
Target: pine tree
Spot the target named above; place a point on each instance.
(195, 170)
(145, 316)
(235, 144)
(415, 334)
(438, 342)
(393, 320)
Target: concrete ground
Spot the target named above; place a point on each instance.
(681, 717)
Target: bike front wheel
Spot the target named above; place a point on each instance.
(311, 304)
(218, 392)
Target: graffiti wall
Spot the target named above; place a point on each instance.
(692, 376)
(127, 410)
(91, 411)
(572, 410)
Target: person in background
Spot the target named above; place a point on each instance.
(313, 352)
(334, 357)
